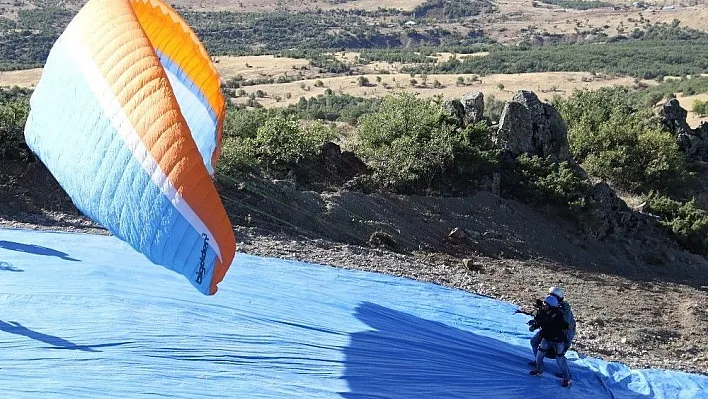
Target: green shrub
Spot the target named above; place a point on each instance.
(237, 157)
(278, 145)
(333, 107)
(13, 115)
(540, 181)
(700, 108)
(406, 142)
(685, 221)
(616, 142)
(474, 156)
(244, 123)
(579, 4)
(281, 143)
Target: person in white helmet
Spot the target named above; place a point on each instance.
(568, 316)
(553, 326)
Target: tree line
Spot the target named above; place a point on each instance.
(661, 50)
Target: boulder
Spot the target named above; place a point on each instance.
(382, 239)
(515, 131)
(529, 126)
(612, 216)
(673, 117)
(455, 111)
(458, 234)
(332, 166)
(473, 107)
(471, 265)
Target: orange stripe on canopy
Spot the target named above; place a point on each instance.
(123, 53)
(171, 36)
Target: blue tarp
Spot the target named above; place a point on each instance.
(85, 316)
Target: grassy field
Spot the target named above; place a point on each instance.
(546, 85)
(24, 78)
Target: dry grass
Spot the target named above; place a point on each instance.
(546, 85)
(24, 78)
(254, 67)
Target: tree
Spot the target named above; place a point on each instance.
(280, 143)
(407, 141)
(13, 116)
(700, 108)
(617, 142)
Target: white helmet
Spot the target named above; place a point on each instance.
(557, 291)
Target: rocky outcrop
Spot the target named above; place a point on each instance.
(455, 111)
(332, 167)
(529, 126)
(613, 217)
(467, 110)
(673, 117)
(693, 142)
(473, 106)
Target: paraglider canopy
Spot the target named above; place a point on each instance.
(128, 117)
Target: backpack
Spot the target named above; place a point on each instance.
(568, 315)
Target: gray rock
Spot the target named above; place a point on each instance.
(673, 117)
(613, 217)
(458, 234)
(529, 126)
(473, 107)
(693, 142)
(471, 265)
(382, 239)
(455, 110)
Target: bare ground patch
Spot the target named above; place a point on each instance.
(686, 102)
(517, 17)
(22, 78)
